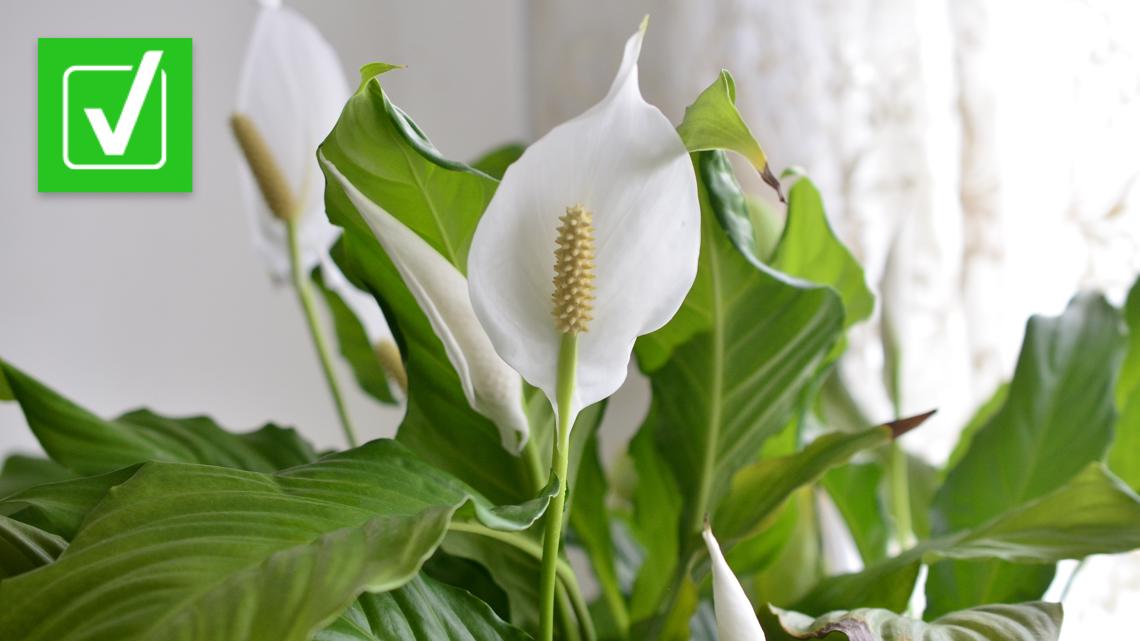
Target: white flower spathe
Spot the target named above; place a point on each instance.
(623, 161)
(491, 387)
(292, 88)
(735, 618)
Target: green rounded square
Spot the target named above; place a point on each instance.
(115, 115)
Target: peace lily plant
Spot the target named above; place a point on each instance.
(517, 289)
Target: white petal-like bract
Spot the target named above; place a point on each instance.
(492, 388)
(292, 87)
(623, 161)
(735, 618)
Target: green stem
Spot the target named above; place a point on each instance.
(305, 294)
(900, 496)
(552, 537)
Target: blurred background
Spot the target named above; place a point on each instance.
(979, 157)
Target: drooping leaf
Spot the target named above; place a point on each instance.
(24, 547)
(87, 444)
(357, 350)
(494, 163)
(61, 507)
(1058, 417)
(174, 553)
(713, 122)
(760, 488)
(423, 609)
(1036, 621)
(20, 472)
(809, 249)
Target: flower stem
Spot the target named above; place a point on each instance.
(552, 538)
(900, 496)
(305, 295)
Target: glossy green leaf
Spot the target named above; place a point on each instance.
(24, 547)
(1057, 418)
(87, 444)
(757, 338)
(1124, 456)
(854, 488)
(357, 350)
(809, 249)
(175, 554)
(713, 122)
(386, 156)
(759, 489)
(20, 472)
(423, 609)
(61, 507)
(378, 148)
(727, 373)
(1036, 621)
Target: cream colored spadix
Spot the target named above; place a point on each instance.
(735, 618)
(490, 385)
(623, 163)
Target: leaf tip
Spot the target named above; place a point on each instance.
(901, 426)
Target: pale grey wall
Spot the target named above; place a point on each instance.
(125, 300)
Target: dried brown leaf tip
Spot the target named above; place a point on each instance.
(574, 271)
(903, 425)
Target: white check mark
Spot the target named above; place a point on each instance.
(114, 141)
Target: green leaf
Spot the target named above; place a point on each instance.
(887, 584)
(357, 350)
(494, 163)
(24, 547)
(1024, 622)
(981, 418)
(1057, 418)
(854, 488)
(20, 472)
(713, 122)
(378, 148)
(184, 552)
(61, 507)
(757, 339)
(809, 249)
(759, 489)
(87, 444)
(386, 156)
(1124, 456)
(5, 390)
(1094, 513)
(423, 609)
(727, 372)
(590, 523)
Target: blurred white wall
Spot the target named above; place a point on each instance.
(121, 300)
